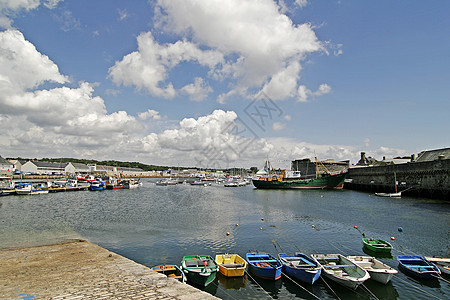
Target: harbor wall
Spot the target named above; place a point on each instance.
(430, 179)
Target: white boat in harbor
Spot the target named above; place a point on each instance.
(131, 184)
(392, 195)
(30, 189)
(378, 271)
(341, 270)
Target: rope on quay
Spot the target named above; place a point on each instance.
(416, 287)
(299, 285)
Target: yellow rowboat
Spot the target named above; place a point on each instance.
(231, 265)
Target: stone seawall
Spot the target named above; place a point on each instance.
(429, 179)
(81, 270)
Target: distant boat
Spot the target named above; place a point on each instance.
(341, 270)
(30, 189)
(301, 267)
(378, 271)
(131, 184)
(418, 266)
(264, 265)
(441, 262)
(293, 180)
(392, 195)
(199, 269)
(171, 271)
(231, 265)
(377, 245)
(199, 182)
(96, 186)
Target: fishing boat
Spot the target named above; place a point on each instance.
(131, 184)
(377, 245)
(441, 262)
(378, 271)
(264, 265)
(231, 265)
(341, 270)
(199, 269)
(30, 189)
(418, 266)
(294, 180)
(171, 271)
(96, 186)
(300, 266)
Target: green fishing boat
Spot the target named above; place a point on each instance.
(268, 179)
(199, 269)
(377, 245)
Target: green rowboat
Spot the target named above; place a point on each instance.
(377, 245)
(199, 269)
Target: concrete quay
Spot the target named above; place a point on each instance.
(81, 270)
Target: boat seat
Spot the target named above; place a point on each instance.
(192, 263)
(233, 265)
(419, 266)
(338, 266)
(304, 265)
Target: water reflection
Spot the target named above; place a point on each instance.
(235, 283)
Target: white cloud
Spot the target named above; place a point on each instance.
(277, 126)
(301, 3)
(198, 90)
(303, 93)
(148, 67)
(149, 114)
(250, 43)
(123, 14)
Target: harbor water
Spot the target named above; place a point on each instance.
(160, 224)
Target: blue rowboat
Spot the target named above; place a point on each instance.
(300, 266)
(264, 265)
(418, 266)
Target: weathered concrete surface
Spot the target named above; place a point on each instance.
(82, 270)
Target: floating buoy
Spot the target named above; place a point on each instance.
(392, 238)
(314, 226)
(228, 233)
(321, 196)
(356, 227)
(260, 228)
(262, 219)
(363, 234)
(400, 229)
(237, 225)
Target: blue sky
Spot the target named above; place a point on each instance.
(179, 82)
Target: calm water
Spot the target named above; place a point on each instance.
(160, 224)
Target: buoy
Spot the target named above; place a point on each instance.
(400, 229)
(363, 234)
(262, 219)
(314, 226)
(392, 238)
(356, 227)
(228, 233)
(260, 228)
(321, 196)
(237, 225)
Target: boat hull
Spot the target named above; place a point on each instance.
(418, 267)
(300, 267)
(327, 182)
(197, 272)
(264, 265)
(171, 271)
(377, 245)
(378, 271)
(341, 270)
(231, 265)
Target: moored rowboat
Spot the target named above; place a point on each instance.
(199, 269)
(418, 266)
(231, 265)
(300, 266)
(378, 271)
(171, 271)
(264, 265)
(341, 270)
(377, 245)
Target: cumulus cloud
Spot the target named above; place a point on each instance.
(303, 93)
(148, 67)
(149, 114)
(277, 126)
(250, 43)
(198, 90)
(8, 8)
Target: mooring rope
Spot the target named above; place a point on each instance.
(416, 287)
(299, 285)
(248, 274)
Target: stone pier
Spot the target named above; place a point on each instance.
(81, 270)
